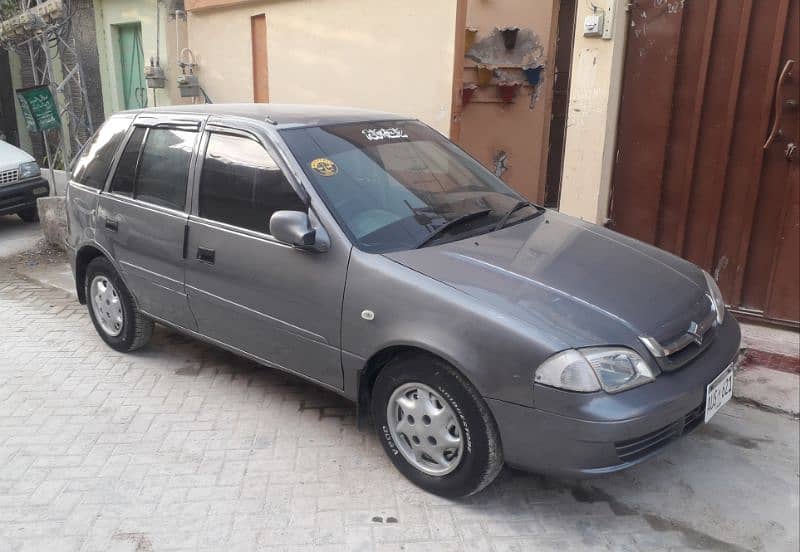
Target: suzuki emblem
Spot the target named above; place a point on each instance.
(694, 331)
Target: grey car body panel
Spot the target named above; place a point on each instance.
(148, 241)
(495, 305)
(147, 246)
(264, 297)
(552, 270)
(81, 202)
(268, 299)
(82, 205)
(569, 434)
(410, 309)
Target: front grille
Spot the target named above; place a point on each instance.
(634, 449)
(684, 348)
(9, 176)
(681, 358)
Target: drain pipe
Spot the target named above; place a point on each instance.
(158, 45)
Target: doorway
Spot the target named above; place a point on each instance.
(258, 37)
(565, 35)
(131, 63)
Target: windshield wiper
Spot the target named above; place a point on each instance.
(450, 224)
(517, 206)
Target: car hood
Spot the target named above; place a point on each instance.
(563, 272)
(12, 157)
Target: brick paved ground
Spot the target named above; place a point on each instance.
(184, 447)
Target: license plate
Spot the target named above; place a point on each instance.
(718, 392)
(40, 190)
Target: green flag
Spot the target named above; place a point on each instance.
(38, 108)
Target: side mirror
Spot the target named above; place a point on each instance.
(294, 228)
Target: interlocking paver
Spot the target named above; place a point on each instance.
(182, 446)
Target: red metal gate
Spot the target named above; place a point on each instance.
(706, 83)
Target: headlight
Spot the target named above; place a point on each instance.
(28, 170)
(567, 370)
(716, 297)
(612, 369)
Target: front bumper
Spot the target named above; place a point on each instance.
(585, 434)
(22, 195)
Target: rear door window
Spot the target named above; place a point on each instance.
(242, 185)
(125, 173)
(164, 167)
(154, 166)
(91, 168)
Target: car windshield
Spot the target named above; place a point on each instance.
(392, 184)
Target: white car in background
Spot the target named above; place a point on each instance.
(21, 183)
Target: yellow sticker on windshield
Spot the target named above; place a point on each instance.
(324, 166)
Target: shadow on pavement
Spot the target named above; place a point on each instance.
(727, 486)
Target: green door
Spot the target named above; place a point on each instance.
(134, 89)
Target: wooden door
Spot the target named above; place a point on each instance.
(705, 83)
(258, 39)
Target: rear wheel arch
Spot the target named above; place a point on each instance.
(82, 259)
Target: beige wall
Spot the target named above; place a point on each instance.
(108, 14)
(395, 55)
(592, 117)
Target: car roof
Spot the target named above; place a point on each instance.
(281, 115)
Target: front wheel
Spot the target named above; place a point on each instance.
(435, 427)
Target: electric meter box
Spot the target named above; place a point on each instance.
(189, 86)
(154, 76)
(593, 25)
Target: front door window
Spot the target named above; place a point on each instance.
(241, 184)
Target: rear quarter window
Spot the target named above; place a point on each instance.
(91, 168)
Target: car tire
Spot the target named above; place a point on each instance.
(134, 330)
(31, 214)
(426, 382)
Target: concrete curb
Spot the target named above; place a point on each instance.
(53, 219)
(768, 389)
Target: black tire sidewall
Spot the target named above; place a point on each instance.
(124, 341)
(31, 214)
(469, 474)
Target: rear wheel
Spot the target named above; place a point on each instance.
(31, 214)
(435, 427)
(112, 309)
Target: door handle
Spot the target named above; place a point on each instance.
(778, 103)
(111, 225)
(790, 152)
(205, 255)
(185, 240)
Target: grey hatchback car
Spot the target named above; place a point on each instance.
(368, 254)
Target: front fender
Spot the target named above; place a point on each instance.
(496, 352)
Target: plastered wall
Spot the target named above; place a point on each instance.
(396, 55)
(109, 14)
(592, 118)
